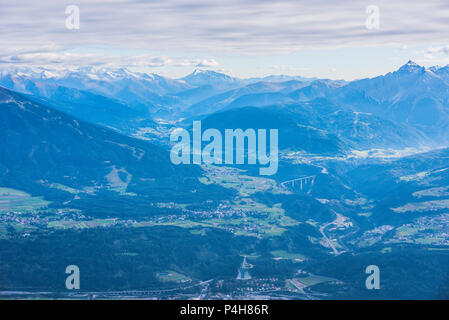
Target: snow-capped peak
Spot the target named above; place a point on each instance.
(411, 67)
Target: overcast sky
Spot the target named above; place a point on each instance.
(325, 38)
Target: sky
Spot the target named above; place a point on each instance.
(344, 39)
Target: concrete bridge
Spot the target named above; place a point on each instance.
(303, 184)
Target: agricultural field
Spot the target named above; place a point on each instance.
(425, 230)
(12, 200)
(313, 279)
(281, 254)
(172, 276)
(433, 205)
(81, 224)
(235, 179)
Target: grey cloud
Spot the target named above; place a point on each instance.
(243, 26)
(438, 50)
(46, 58)
(80, 59)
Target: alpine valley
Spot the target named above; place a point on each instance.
(86, 179)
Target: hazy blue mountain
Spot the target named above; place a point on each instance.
(37, 135)
(149, 92)
(249, 95)
(315, 89)
(412, 95)
(97, 109)
(205, 84)
(106, 81)
(407, 188)
(365, 130)
(280, 78)
(199, 78)
(259, 100)
(393, 114)
(85, 105)
(294, 134)
(442, 72)
(318, 126)
(210, 83)
(42, 144)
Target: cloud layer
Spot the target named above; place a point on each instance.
(36, 30)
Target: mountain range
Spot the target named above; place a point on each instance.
(86, 178)
(411, 102)
(44, 147)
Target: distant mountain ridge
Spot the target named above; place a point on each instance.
(412, 96)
